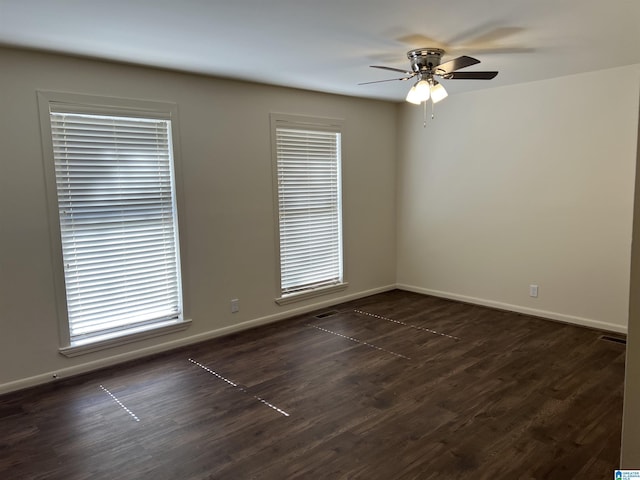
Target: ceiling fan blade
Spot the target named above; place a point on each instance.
(388, 80)
(392, 69)
(455, 64)
(470, 75)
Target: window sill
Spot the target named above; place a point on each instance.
(298, 297)
(83, 349)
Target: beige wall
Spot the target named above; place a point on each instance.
(630, 455)
(528, 184)
(228, 224)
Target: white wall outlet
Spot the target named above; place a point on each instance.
(533, 290)
(235, 305)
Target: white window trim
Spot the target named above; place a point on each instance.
(108, 106)
(314, 123)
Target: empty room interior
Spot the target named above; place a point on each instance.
(232, 249)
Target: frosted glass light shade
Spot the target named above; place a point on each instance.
(438, 93)
(412, 96)
(419, 93)
(423, 90)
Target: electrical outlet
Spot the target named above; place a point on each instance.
(235, 306)
(533, 291)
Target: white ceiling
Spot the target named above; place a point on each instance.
(327, 45)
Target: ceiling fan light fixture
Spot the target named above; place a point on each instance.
(423, 90)
(419, 93)
(412, 96)
(438, 92)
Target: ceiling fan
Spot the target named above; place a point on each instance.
(426, 67)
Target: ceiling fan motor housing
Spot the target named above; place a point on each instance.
(425, 59)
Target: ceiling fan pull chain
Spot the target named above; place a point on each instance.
(433, 108)
(424, 124)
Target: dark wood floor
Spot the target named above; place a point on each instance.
(394, 386)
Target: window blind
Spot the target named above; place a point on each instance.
(309, 201)
(118, 223)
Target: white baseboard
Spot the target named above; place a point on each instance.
(560, 317)
(49, 377)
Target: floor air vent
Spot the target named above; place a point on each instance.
(609, 338)
(326, 314)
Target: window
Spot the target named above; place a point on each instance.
(116, 221)
(307, 161)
